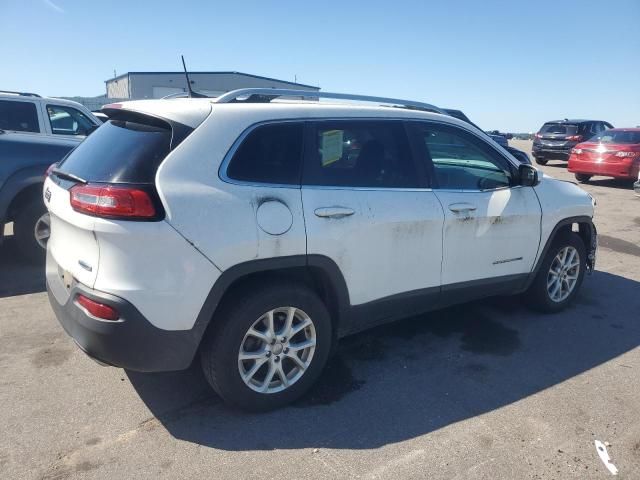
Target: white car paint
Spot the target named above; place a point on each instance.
(391, 244)
(396, 240)
(500, 237)
(130, 260)
(74, 241)
(560, 199)
(188, 111)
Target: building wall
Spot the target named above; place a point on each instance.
(142, 86)
(118, 88)
(95, 103)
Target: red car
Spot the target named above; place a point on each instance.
(612, 153)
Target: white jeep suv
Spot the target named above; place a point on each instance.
(255, 232)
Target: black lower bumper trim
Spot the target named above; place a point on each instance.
(132, 342)
(552, 154)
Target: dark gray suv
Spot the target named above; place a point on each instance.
(555, 139)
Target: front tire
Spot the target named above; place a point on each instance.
(582, 177)
(267, 346)
(29, 230)
(560, 276)
(541, 161)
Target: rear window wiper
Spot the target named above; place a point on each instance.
(68, 176)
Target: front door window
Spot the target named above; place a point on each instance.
(68, 121)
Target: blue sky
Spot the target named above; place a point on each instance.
(508, 65)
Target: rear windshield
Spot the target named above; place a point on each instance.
(609, 136)
(559, 129)
(119, 152)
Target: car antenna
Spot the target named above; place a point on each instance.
(192, 94)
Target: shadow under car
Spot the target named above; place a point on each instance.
(412, 377)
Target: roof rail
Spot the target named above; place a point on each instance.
(22, 94)
(265, 95)
(184, 95)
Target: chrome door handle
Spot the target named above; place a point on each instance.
(333, 212)
(462, 207)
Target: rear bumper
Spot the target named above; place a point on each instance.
(131, 342)
(622, 169)
(551, 153)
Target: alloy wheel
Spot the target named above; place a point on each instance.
(563, 274)
(277, 350)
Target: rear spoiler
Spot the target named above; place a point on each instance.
(179, 131)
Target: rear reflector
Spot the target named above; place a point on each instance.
(112, 201)
(97, 309)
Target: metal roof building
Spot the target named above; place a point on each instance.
(141, 85)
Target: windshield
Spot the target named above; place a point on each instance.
(617, 136)
(559, 129)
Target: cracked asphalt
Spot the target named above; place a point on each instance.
(485, 390)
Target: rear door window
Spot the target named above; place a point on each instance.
(361, 153)
(120, 152)
(591, 129)
(18, 116)
(269, 154)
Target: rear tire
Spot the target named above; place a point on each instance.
(550, 291)
(583, 177)
(241, 329)
(541, 161)
(24, 229)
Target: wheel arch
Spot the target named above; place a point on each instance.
(317, 272)
(21, 187)
(584, 227)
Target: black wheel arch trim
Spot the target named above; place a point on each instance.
(272, 265)
(16, 184)
(589, 236)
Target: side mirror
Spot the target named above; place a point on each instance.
(528, 175)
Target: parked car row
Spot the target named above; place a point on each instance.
(35, 132)
(591, 147)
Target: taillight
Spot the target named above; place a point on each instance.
(577, 151)
(97, 309)
(627, 154)
(575, 138)
(538, 135)
(49, 169)
(112, 201)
